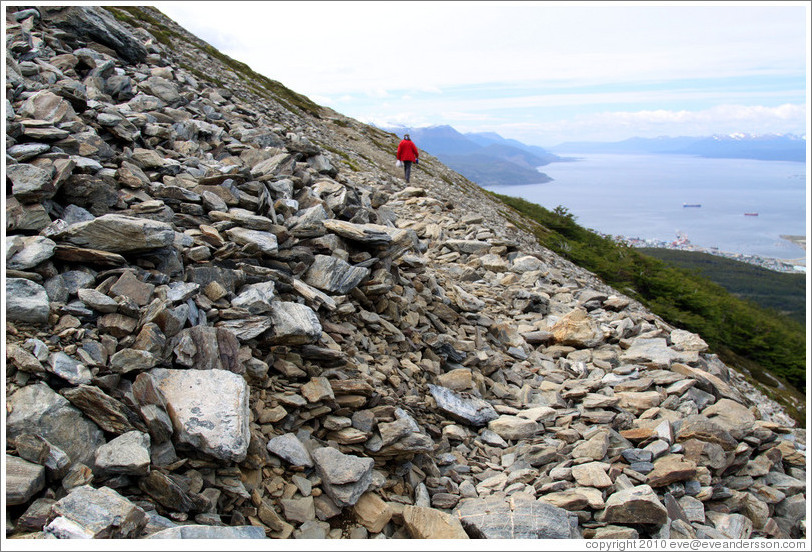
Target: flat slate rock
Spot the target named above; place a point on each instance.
(462, 406)
(210, 532)
(118, 234)
(345, 477)
(24, 479)
(103, 512)
(514, 517)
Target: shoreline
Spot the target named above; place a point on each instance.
(792, 266)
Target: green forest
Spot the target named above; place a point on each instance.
(784, 293)
(754, 337)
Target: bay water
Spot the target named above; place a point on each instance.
(643, 196)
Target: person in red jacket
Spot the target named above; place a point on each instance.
(407, 154)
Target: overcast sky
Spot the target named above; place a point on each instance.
(539, 72)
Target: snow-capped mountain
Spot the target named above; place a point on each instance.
(767, 147)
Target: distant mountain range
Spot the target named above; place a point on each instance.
(491, 160)
(485, 157)
(767, 147)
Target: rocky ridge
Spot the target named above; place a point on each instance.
(227, 317)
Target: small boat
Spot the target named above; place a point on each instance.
(692, 205)
(751, 214)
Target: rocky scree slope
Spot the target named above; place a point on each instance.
(227, 316)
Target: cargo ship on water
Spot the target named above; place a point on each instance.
(692, 205)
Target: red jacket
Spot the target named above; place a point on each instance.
(407, 151)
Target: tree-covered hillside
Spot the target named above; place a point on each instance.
(782, 292)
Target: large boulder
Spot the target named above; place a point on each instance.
(98, 25)
(209, 410)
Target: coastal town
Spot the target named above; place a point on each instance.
(684, 244)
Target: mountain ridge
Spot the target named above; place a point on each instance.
(484, 158)
(766, 147)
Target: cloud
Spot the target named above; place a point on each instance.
(618, 125)
(572, 71)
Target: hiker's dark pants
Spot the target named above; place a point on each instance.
(407, 169)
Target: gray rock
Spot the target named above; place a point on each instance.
(35, 448)
(245, 329)
(528, 263)
(290, 448)
(210, 532)
(102, 512)
(97, 24)
(299, 510)
(247, 219)
(97, 300)
(207, 348)
(36, 516)
(513, 427)
(127, 454)
(655, 352)
(322, 165)
(160, 88)
(73, 214)
(63, 528)
(132, 360)
(255, 298)
(638, 505)
(24, 479)
(733, 526)
(334, 275)
(463, 407)
(519, 517)
(209, 410)
(468, 246)
(345, 477)
(372, 234)
(68, 369)
(46, 106)
(23, 253)
(262, 241)
(271, 165)
(784, 483)
(26, 301)
(732, 416)
(119, 234)
(700, 427)
(110, 414)
(293, 324)
(172, 492)
(24, 152)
